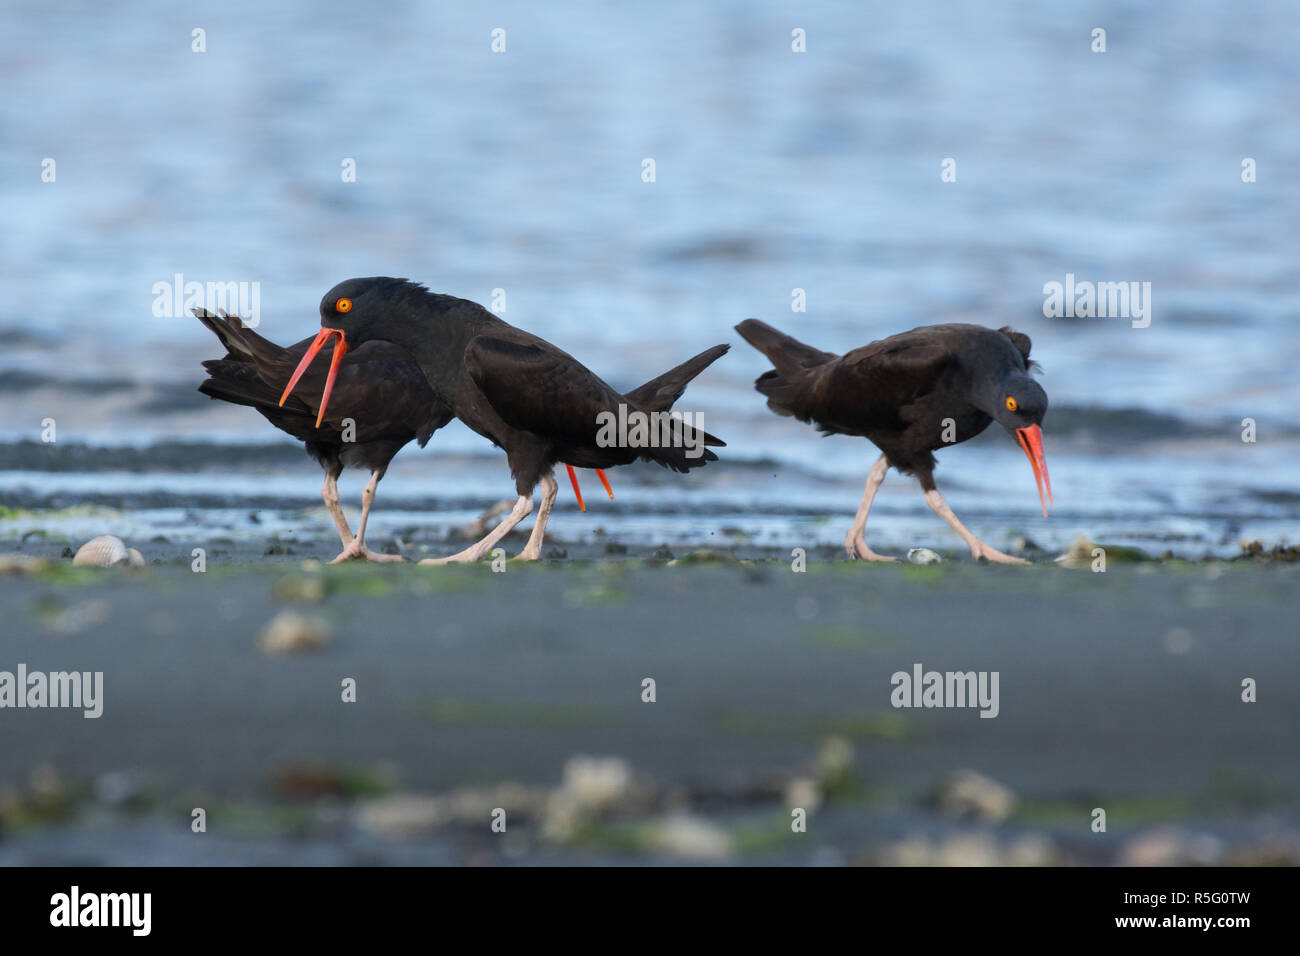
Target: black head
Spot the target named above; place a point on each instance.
(379, 307)
(357, 311)
(1019, 404)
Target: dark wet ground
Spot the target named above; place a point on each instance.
(479, 690)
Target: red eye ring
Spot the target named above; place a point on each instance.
(1012, 404)
(343, 305)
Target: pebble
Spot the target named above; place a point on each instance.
(292, 633)
(966, 793)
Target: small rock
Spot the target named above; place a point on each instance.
(804, 793)
(306, 589)
(923, 556)
(78, 617)
(1023, 545)
(703, 556)
(1032, 849)
(966, 793)
(689, 837)
(967, 849)
(22, 564)
(1078, 554)
(401, 815)
(1279, 552)
(596, 782)
(1170, 846)
(292, 633)
(834, 765)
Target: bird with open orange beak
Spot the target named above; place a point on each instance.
(339, 337)
(533, 400)
(911, 394)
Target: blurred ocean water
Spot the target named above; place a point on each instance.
(521, 171)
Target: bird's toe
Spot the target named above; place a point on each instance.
(994, 556)
(862, 552)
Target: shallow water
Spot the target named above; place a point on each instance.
(522, 171)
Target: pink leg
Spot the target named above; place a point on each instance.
(356, 549)
(854, 543)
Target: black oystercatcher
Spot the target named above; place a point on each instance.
(910, 394)
(377, 386)
(535, 401)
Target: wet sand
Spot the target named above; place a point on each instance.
(1119, 690)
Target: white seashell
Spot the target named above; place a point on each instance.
(106, 551)
(923, 556)
(290, 633)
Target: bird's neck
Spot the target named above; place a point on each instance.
(437, 336)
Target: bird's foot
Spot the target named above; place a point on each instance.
(981, 550)
(529, 554)
(468, 556)
(357, 551)
(858, 550)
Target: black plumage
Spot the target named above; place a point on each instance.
(380, 403)
(910, 394)
(537, 402)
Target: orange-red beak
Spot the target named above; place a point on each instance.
(1031, 440)
(340, 347)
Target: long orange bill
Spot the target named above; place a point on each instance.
(340, 347)
(1031, 440)
(577, 492)
(605, 481)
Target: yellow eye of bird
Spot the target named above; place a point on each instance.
(1012, 405)
(343, 305)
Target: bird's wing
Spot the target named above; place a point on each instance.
(537, 388)
(879, 383)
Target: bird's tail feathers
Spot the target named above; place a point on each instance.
(241, 342)
(793, 360)
(786, 353)
(659, 394)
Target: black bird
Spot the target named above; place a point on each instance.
(910, 394)
(530, 398)
(377, 386)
